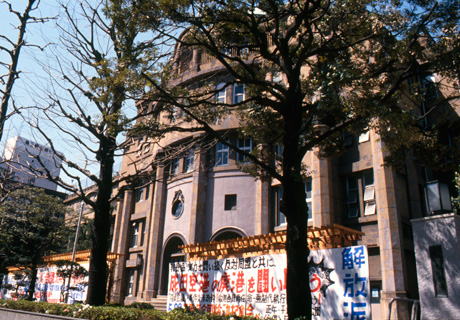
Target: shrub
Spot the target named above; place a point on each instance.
(135, 311)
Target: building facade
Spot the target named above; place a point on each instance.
(201, 195)
(29, 162)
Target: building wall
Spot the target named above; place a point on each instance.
(22, 154)
(355, 189)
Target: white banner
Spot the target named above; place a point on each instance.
(256, 286)
(49, 286)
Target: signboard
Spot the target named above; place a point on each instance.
(48, 286)
(256, 286)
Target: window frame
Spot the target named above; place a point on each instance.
(130, 279)
(241, 157)
(361, 195)
(189, 161)
(239, 97)
(309, 198)
(135, 234)
(175, 167)
(222, 153)
(221, 94)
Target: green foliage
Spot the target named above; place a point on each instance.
(32, 225)
(313, 70)
(112, 312)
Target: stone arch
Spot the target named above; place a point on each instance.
(228, 233)
(171, 253)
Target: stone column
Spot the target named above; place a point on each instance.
(322, 191)
(145, 227)
(198, 201)
(262, 207)
(155, 237)
(390, 233)
(120, 245)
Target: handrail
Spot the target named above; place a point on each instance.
(415, 306)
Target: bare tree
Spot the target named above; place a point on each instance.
(13, 50)
(94, 79)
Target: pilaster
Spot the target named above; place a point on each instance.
(322, 191)
(198, 208)
(155, 237)
(262, 207)
(390, 232)
(120, 245)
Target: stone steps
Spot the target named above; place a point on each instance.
(160, 302)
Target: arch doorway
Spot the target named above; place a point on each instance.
(171, 253)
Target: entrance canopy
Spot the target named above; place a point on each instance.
(327, 237)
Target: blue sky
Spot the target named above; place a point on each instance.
(28, 88)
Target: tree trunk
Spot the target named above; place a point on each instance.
(295, 209)
(33, 281)
(97, 282)
(297, 251)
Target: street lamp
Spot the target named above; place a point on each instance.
(437, 198)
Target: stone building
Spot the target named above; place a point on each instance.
(201, 195)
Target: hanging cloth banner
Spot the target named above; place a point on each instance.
(256, 286)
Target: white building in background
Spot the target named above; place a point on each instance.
(26, 159)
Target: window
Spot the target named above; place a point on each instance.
(280, 218)
(230, 202)
(244, 144)
(238, 93)
(352, 197)
(361, 195)
(188, 161)
(369, 194)
(437, 268)
(221, 93)
(364, 137)
(278, 153)
(277, 77)
(135, 228)
(221, 154)
(139, 194)
(175, 166)
(147, 189)
(130, 282)
(176, 114)
(429, 87)
(142, 234)
(309, 198)
(177, 207)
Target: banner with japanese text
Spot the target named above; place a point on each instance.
(256, 286)
(49, 286)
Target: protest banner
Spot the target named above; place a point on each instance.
(256, 286)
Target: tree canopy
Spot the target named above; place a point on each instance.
(313, 70)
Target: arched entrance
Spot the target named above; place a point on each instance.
(171, 253)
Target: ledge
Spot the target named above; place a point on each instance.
(13, 314)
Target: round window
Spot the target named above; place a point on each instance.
(177, 208)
